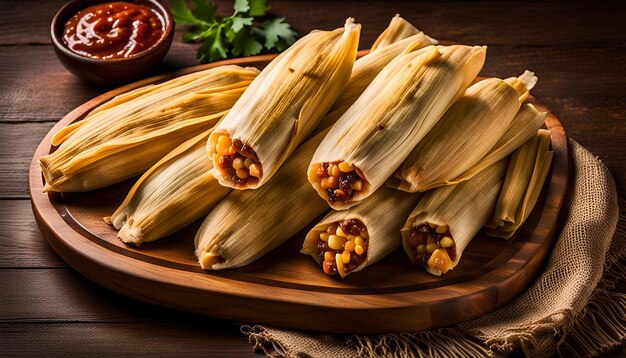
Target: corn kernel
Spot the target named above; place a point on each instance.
(324, 236)
(446, 242)
(324, 184)
(421, 249)
(328, 256)
(430, 248)
(255, 170)
(336, 242)
(238, 163)
(345, 167)
(248, 162)
(339, 263)
(349, 246)
(359, 249)
(336, 171)
(441, 229)
(358, 241)
(364, 234)
(345, 257)
(223, 145)
(333, 182)
(340, 232)
(242, 173)
(329, 170)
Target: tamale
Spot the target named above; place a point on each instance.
(247, 224)
(347, 241)
(447, 218)
(527, 171)
(282, 107)
(374, 136)
(466, 133)
(123, 138)
(175, 192)
(159, 199)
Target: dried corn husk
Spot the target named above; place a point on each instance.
(394, 113)
(463, 208)
(391, 43)
(382, 214)
(247, 224)
(285, 103)
(175, 192)
(124, 137)
(397, 30)
(527, 171)
(465, 134)
(155, 195)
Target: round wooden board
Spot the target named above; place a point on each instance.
(285, 288)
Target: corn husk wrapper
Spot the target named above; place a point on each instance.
(388, 46)
(463, 207)
(527, 171)
(124, 137)
(156, 195)
(465, 134)
(397, 30)
(286, 102)
(383, 214)
(247, 224)
(175, 192)
(395, 112)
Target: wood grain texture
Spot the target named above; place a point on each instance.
(579, 24)
(21, 243)
(167, 339)
(18, 141)
(286, 288)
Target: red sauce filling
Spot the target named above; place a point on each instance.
(113, 30)
(423, 235)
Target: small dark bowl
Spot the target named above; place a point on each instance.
(113, 71)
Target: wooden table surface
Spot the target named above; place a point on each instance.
(578, 52)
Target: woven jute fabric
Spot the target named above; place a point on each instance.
(569, 310)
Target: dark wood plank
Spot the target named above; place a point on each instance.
(21, 243)
(176, 339)
(19, 141)
(495, 22)
(63, 295)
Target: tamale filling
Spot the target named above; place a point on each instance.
(433, 246)
(340, 180)
(343, 246)
(236, 161)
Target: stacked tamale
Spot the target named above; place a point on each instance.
(403, 147)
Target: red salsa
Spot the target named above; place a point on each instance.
(113, 30)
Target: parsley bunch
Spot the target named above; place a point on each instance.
(240, 34)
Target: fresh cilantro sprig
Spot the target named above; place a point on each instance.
(241, 34)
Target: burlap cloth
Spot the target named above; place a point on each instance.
(570, 310)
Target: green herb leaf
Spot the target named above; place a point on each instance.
(240, 34)
(276, 29)
(257, 8)
(204, 10)
(246, 44)
(182, 14)
(241, 6)
(240, 22)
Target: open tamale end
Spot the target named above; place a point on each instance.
(447, 218)
(282, 107)
(347, 241)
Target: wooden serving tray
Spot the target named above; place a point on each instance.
(286, 288)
